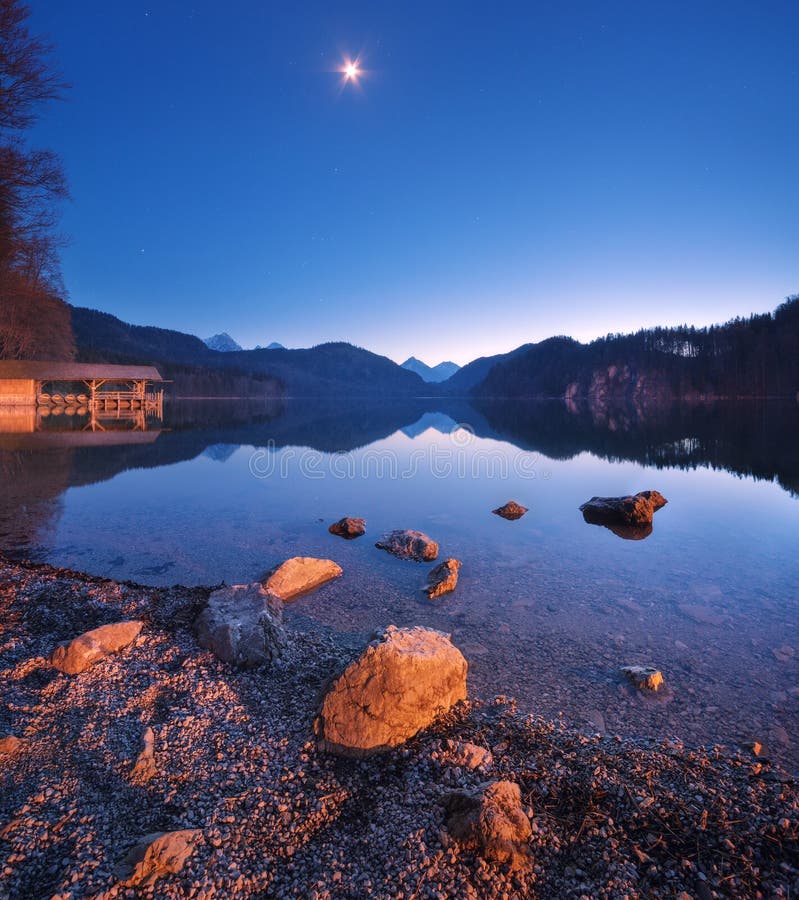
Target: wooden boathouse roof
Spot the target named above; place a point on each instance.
(71, 371)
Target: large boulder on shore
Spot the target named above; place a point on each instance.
(636, 509)
(80, 653)
(242, 625)
(300, 575)
(400, 684)
(409, 545)
(491, 821)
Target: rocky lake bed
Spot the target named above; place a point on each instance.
(161, 770)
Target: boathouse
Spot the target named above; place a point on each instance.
(90, 385)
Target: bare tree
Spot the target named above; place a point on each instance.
(34, 320)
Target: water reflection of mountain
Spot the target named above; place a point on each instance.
(437, 421)
(748, 439)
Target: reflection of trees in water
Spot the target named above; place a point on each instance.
(182, 414)
(750, 438)
(30, 505)
(747, 439)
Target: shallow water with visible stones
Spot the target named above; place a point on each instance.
(547, 608)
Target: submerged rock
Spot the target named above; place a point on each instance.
(348, 528)
(637, 509)
(80, 653)
(511, 510)
(158, 854)
(645, 678)
(442, 579)
(300, 575)
(242, 625)
(491, 821)
(400, 684)
(631, 532)
(409, 545)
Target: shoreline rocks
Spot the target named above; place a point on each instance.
(299, 576)
(405, 544)
(77, 655)
(242, 625)
(144, 767)
(280, 818)
(10, 744)
(467, 755)
(443, 579)
(491, 821)
(400, 684)
(158, 854)
(637, 509)
(645, 678)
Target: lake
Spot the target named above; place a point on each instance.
(547, 609)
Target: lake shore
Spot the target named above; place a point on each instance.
(234, 760)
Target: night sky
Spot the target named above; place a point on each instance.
(501, 172)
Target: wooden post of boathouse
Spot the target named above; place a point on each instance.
(83, 386)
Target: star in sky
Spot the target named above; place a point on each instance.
(351, 70)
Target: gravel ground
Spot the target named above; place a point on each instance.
(234, 757)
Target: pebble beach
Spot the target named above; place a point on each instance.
(164, 738)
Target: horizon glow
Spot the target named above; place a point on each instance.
(499, 180)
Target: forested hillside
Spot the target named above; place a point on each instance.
(753, 357)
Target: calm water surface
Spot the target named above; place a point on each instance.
(547, 608)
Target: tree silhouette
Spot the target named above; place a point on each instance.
(34, 320)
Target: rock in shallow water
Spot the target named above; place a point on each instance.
(79, 654)
(242, 625)
(348, 528)
(491, 821)
(443, 579)
(409, 545)
(511, 510)
(300, 575)
(637, 509)
(400, 684)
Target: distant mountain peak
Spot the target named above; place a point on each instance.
(431, 374)
(223, 342)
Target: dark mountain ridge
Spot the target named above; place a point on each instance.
(466, 379)
(756, 357)
(333, 369)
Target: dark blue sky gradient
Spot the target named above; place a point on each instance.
(503, 173)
